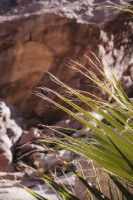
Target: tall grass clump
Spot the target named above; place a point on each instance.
(109, 142)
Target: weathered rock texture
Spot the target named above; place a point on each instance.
(45, 35)
(10, 132)
(37, 43)
(116, 49)
(13, 136)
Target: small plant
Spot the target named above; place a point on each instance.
(109, 143)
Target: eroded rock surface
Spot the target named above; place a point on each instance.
(19, 148)
(10, 132)
(116, 50)
(13, 135)
(37, 43)
(83, 11)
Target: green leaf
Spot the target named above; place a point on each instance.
(127, 194)
(34, 194)
(60, 189)
(97, 193)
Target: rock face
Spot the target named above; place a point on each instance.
(43, 36)
(10, 133)
(116, 49)
(14, 135)
(83, 11)
(35, 44)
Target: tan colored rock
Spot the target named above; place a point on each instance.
(35, 44)
(50, 161)
(28, 136)
(5, 159)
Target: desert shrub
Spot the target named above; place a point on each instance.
(108, 143)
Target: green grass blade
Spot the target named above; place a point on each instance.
(123, 156)
(97, 193)
(127, 194)
(60, 189)
(34, 194)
